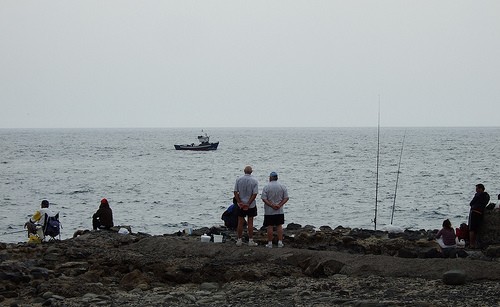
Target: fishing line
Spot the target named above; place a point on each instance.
(13, 232)
(397, 176)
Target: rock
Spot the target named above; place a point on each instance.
(326, 228)
(130, 280)
(489, 233)
(407, 253)
(454, 277)
(80, 232)
(9, 294)
(209, 286)
(293, 226)
(52, 257)
(47, 295)
(323, 268)
(493, 251)
(348, 239)
(180, 270)
(39, 273)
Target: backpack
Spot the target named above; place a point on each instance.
(52, 226)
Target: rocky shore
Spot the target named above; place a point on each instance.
(323, 267)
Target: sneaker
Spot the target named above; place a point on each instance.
(252, 243)
(269, 245)
(239, 242)
(280, 244)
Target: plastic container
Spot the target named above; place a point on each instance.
(205, 238)
(218, 238)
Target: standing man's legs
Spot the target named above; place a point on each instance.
(475, 223)
(472, 239)
(269, 233)
(279, 229)
(241, 221)
(250, 228)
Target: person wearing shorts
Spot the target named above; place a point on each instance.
(246, 189)
(274, 196)
(477, 205)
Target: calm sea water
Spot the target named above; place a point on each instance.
(330, 174)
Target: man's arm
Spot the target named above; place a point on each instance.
(282, 202)
(252, 198)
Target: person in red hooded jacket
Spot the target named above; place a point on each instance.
(103, 218)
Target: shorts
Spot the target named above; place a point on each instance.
(475, 219)
(274, 220)
(251, 212)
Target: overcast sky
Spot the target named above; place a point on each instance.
(249, 63)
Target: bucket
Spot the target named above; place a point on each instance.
(218, 238)
(205, 238)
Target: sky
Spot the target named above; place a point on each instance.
(120, 63)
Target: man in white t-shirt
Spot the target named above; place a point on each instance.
(38, 218)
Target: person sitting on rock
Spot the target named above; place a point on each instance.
(37, 221)
(446, 238)
(103, 218)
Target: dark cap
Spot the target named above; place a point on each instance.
(273, 174)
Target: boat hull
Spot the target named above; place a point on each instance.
(200, 147)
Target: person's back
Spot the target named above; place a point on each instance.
(245, 191)
(247, 186)
(275, 192)
(38, 219)
(103, 218)
(44, 212)
(230, 216)
(448, 235)
(274, 196)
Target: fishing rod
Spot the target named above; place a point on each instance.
(397, 176)
(378, 159)
(13, 232)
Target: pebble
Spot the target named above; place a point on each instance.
(47, 295)
(190, 297)
(209, 286)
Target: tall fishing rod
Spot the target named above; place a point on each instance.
(378, 158)
(397, 176)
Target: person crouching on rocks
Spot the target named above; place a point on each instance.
(103, 218)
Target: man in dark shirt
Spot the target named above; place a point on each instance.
(477, 205)
(103, 218)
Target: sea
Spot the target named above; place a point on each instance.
(370, 178)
